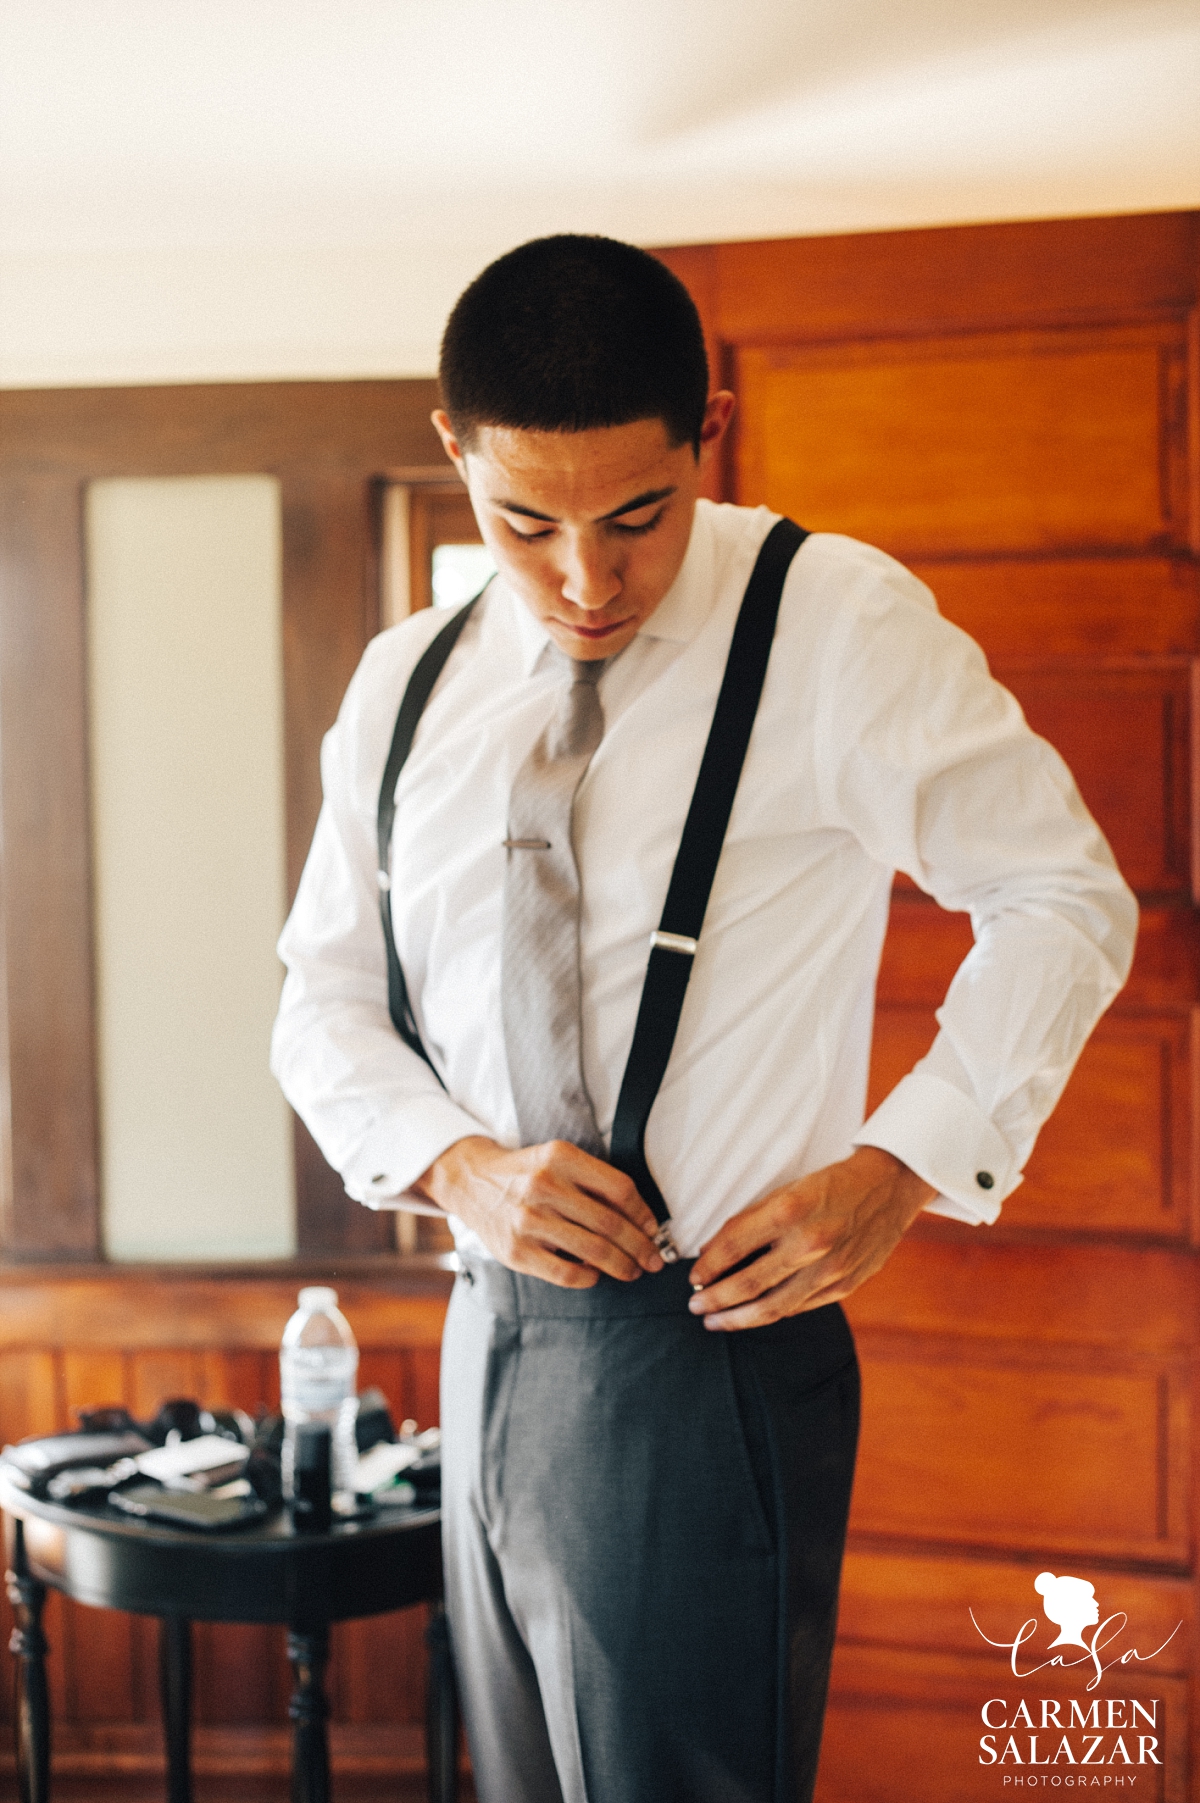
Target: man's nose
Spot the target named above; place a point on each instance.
(590, 578)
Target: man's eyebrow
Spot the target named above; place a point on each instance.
(647, 500)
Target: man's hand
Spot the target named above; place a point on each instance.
(818, 1239)
(540, 1209)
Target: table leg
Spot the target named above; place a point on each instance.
(441, 1712)
(308, 1650)
(28, 1645)
(175, 1693)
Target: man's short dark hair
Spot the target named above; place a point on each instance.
(568, 333)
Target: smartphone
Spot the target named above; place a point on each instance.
(189, 1508)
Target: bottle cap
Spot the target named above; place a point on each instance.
(318, 1296)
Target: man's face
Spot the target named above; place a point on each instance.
(588, 528)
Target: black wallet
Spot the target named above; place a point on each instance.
(189, 1508)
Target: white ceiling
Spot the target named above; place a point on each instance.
(243, 187)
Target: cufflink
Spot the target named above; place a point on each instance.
(985, 1180)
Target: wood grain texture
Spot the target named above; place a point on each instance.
(438, 514)
(987, 445)
(1094, 712)
(897, 1732)
(330, 611)
(1070, 607)
(961, 1448)
(50, 1198)
(1116, 1155)
(222, 428)
(925, 1601)
(925, 946)
(878, 284)
(135, 1309)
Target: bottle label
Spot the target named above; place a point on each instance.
(316, 1392)
(316, 1382)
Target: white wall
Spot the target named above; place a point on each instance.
(186, 705)
(220, 191)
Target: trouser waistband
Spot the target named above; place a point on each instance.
(515, 1296)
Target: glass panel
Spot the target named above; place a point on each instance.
(186, 714)
(459, 571)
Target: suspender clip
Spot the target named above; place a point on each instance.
(675, 942)
(668, 1251)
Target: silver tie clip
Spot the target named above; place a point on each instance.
(526, 844)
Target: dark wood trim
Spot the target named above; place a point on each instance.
(439, 513)
(330, 610)
(51, 1189)
(223, 428)
(331, 444)
(967, 278)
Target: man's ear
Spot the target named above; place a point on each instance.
(717, 415)
(450, 444)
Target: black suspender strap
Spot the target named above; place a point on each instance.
(673, 946)
(420, 686)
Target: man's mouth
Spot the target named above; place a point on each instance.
(593, 632)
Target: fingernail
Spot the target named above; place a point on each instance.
(695, 1306)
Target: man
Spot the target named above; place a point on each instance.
(647, 1464)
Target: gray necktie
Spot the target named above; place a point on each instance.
(540, 985)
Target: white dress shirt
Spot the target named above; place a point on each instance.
(881, 743)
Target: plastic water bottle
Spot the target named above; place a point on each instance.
(318, 1371)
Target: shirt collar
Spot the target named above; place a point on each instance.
(677, 618)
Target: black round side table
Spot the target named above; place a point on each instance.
(266, 1573)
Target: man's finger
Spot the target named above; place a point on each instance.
(604, 1181)
(540, 1261)
(591, 1249)
(573, 1223)
(761, 1274)
(787, 1298)
(756, 1230)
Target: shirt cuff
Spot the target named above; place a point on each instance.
(946, 1138)
(397, 1151)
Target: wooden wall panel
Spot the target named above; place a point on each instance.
(926, 1602)
(914, 1730)
(1124, 730)
(870, 284)
(1070, 606)
(971, 445)
(1017, 1451)
(925, 946)
(1116, 1155)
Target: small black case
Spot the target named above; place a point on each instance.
(189, 1508)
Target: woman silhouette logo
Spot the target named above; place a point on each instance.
(1070, 1603)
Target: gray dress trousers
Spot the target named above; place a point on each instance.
(643, 1528)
